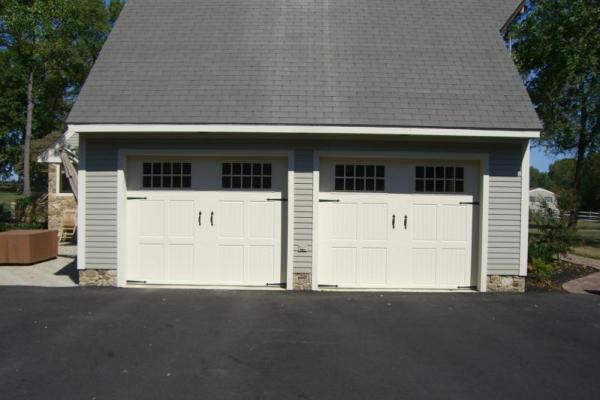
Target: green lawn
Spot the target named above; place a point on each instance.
(8, 196)
(589, 235)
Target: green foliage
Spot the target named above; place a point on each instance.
(57, 41)
(541, 269)
(31, 210)
(9, 226)
(557, 50)
(550, 236)
(5, 214)
(538, 179)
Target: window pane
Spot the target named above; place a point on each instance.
(439, 186)
(339, 183)
(187, 168)
(360, 170)
(247, 169)
(236, 181)
(176, 181)
(166, 168)
(460, 173)
(380, 185)
(450, 172)
(156, 168)
(256, 169)
(156, 181)
(256, 182)
(349, 170)
(370, 171)
(147, 168)
(419, 185)
(186, 181)
(267, 170)
(449, 186)
(370, 184)
(439, 172)
(460, 186)
(236, 168)
(246, 182)
(349, 183)
(339, 170)
(166, 181)
(226, 168)
(429, 172)
(380, 171)
(267, 182)
(420, 172)
(429, 185)
(177, 168)
(360, 184)
(147, 181)
(226, 182)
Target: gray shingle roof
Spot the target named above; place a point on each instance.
(427, 63)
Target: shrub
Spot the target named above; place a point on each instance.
(541, 269)
(31, 210)
(5, 214)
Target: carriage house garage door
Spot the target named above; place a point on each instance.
(206, 221)
(397, 224)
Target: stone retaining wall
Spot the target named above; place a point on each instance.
(302, 281)
(57, 203)
(98, 277)
(506, 283)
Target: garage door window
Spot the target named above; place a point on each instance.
(246, 175)
(167, 175)
(432, 179)
(359, 178)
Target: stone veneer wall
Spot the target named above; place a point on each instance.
(98, 277)
(506, 283)
(57, 203)
(302, 281)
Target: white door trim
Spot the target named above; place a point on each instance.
(81, 204)
(122, 197)
(524, 208)
(483, 159)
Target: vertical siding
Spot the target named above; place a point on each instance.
(303, 210)
(101, 206)
(504, 227)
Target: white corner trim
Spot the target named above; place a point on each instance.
(524, 208)
(121, 221)
(81, 203)
(315, 221)
(484, 206)
(290, 222)
(57, 192)
(304, 129)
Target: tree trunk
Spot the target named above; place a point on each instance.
(27, 141)
(576, 201)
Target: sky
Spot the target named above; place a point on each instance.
(540, 159)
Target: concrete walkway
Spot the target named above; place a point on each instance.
(586, 284)
(60, 272)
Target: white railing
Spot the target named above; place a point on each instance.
(588, 216)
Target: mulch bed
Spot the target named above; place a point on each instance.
(563, 272)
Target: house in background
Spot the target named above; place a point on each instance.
(337, 144)
(539, 197)
(62, 202)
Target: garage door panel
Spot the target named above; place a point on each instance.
(260, 265)
(452, 267)
(180, 219)
(344, 263)
(374, 221)
(151, 219)
(261, 220)
(152, 261)
(230, 219)
(453, 226)
(372, 269)
(424, 222)
(343, 221)
(423, 267)
(180, 262)
(231, 264)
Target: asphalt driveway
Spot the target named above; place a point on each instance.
(82, 343)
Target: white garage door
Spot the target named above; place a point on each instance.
(206, 221)
(397, 224)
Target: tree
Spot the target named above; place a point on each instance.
(47, 48)
(539, 179)
(557, 50)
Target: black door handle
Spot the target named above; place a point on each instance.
(200, 218)
(405, 221)
(211, 218)
(394, 221)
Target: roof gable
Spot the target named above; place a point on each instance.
(424, 63)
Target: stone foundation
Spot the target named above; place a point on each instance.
(57, 203)
(98, 277)
(506, 283)
(302, 281)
